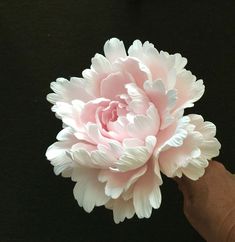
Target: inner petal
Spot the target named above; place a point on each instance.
(109, 113)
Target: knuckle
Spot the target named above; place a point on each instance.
(216, 164)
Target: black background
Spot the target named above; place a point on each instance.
(43, 40)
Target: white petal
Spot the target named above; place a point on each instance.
(69, 113)
(114, 49)
(121, 209)
(210, 148)
(103, 159)
(100, 64)
(139, 50)
(132, 142)
(88, 191)
(56, 153)
(208, 129)
(173, 136)
(175, 158)
(82, 157)
(66, 91)
(61, 163)
(65, 134)
(95, 135)
(140, 101)
(193, 172)
(146, 194)
(188, 90)
(178, 61)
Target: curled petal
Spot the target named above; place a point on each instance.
(57, 152)
(114, 85)
(136, 69)
(135, 157)
(173, 135)
(144, 125)
(118, 182)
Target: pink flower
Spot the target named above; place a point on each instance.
(123, 125)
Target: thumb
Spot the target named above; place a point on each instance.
(186, 186)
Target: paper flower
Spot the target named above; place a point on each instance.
(123, 125)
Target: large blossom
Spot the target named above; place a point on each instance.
(123, 125)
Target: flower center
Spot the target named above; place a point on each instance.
(110, 113)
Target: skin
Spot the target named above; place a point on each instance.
(209, 203)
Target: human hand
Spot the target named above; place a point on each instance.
(209, 203)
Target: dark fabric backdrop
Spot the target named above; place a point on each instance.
(43, 40)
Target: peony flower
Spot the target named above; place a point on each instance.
(123, 126)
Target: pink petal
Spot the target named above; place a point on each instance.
(114, 85)
(138, 71)
(118, 182)
(88, 113)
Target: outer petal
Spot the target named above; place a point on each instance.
(121, 209)
(66, 91)
(188, 90)
(177, 60)
(88, 191)
(159, 65)
(100, 69)
(174, 158)
(57, 152)
(114, 49)
(146, 193)
(192, 157)
(210, 146)
(69, 113)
